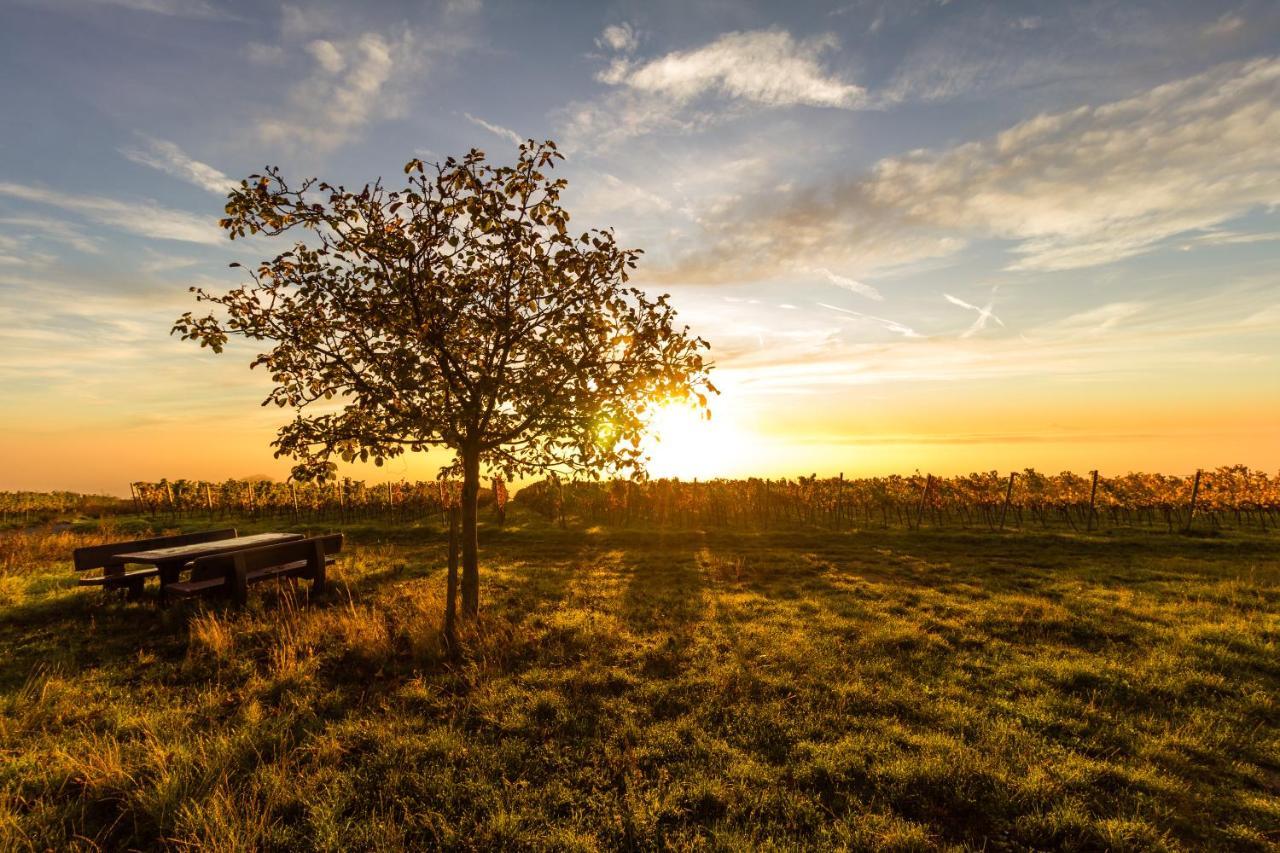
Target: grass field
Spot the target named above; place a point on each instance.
(645, 689)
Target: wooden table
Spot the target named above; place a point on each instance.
(170, 561)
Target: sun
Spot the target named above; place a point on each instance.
(683, 443)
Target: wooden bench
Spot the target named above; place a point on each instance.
(114, 575)
(231, 574)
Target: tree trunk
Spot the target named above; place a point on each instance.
(470, 545)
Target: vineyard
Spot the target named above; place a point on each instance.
(30, 507)
(342, 500)
(1233, 496)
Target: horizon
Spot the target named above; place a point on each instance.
(936, 236)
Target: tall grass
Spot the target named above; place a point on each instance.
(641, 690)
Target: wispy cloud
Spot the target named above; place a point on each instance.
(850, 284)
(26, 228)
(353, 82)
(496, 129)
(985, 313)
(889, 325)
(172, 8)
(145, 219)
(172, 160)
(1225, 237)
(1112, 342)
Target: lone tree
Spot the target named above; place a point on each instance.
(457, 312)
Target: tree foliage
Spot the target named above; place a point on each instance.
(457, 311)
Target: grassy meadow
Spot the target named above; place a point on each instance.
(655, 689)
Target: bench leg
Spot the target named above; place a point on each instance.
(318, 579)
(134, 589)
(239, 582)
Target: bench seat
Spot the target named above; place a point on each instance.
(209, 586)
(121, 579)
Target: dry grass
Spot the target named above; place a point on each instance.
(641, 689)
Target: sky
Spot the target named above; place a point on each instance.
(935, 236)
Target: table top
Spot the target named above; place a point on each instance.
(204, 549)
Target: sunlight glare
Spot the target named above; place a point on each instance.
(683, 443)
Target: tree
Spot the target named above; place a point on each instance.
(456, 312)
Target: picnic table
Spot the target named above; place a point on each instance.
(171, 561)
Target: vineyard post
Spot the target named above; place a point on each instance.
(173, 507)
(839, 500)
(293, 498)
(1008, 496)
(249, 502)
(391, 501)
(1093, 493)
(1195, 492)
(928, 483)
(208, 499)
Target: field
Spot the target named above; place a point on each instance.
(866, 689)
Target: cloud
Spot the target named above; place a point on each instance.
(354, 82)
(459, 8)
(889, 325)
(496, 129)
(172, 8)
(850, 284)
(1225, 25)
(260, 53)
(766, 67)
(618, 37)
(1224, 237)
(686, 91)
(1116, 341)
(54, 230)
(1071, 189)
(328, 56)
(984, 314)
(145, 219)
(172, 160)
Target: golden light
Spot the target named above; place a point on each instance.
(683, 443)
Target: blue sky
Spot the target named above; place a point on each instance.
(946, 235)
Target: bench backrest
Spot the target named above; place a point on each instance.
(256, 559)
(98, 556)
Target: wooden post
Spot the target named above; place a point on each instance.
(451, 585)
(1093, 493)
(293, 498)
(839, 500)
(391, 501)
(208, 499)
(1008, 496)
(168, 490)
(928, 484)
(1195, 492)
